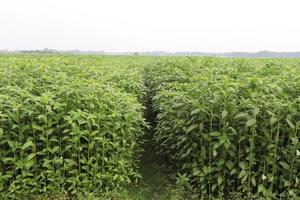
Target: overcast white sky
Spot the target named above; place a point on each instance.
(148, 25)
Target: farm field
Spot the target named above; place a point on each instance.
(80, 126)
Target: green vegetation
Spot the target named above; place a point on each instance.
(72, 127)
(230, 125)
(68, 124)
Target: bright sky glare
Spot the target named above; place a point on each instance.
(151, 25)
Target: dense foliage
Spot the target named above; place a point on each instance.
(68, 123)
(73, 124)
(230, 125)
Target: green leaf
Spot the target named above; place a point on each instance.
(215, 134)
(256, 111)
(27, 144)
(196, 111)
(287, 183)
(224, 113)
(242, 174)
(29, 164)
(50, 131)
(284, 165)
(229, 164)
(291, 192)
(233, 171)
(32, 155)
(7, 159)
(273, 120)
(253, 181)
(192, 127)
(241, 115)
(243, 165)
(196, 172)
(250, 122)
(213, 187)
(294, 140)
(270, 113)
(220, 179)
(290, 123)
(215, 153)
(260, 188)
(36, 127)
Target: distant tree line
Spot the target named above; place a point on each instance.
(259, 54)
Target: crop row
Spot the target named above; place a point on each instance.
(230, 125)
(68, 124)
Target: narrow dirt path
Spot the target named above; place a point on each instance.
(154, 184)
(155, 174)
